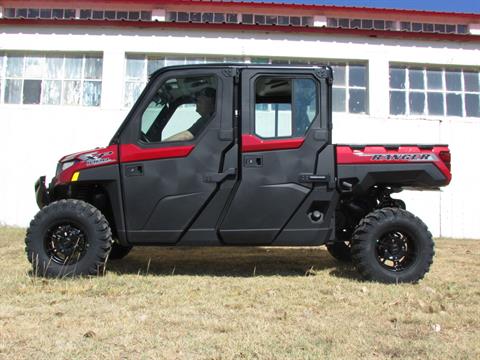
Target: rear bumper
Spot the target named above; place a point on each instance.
(41, 192)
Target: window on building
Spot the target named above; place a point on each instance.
(52, 79)
(284, 107)
(350, 89)
(259, 19)
(377, 24)
(437, 28)
(434, 91)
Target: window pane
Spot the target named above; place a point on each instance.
(93, 68)
(172, 16)
(182, 16)
(428, 27)
(33, 13)
(22, 13)
(338, 74)
(247, 18)
(435, 103)
(451, 29)
(434, 79)
(339, 99)
(200, 60)
(34, 66)
(196, 17)
(295, 20)
(415, 76)
(135, 68)
(417, 103)
(307, 20)
(171, 61)
(367, 24)
(58, 13)
(304, 105)
(133, 15)
(356, 23)
(232, 18)
(417, 27)
(73, 67)
(357, 101)
(31, 91)
(146, 15)
(123, 15)
(397, 103)
(154, 65)
(45, 13)
(406, 26)
(85, 14)
(344, 23)
(13, 91)
(397, 78)
(283, 20)
(97, 14)
(54, 67)
(69, 13)
(132, 92)
(92, 92)
(206, 17)
(472, 106)
(379, 24)
(271, 20)
(462, 29)
(219, 17)
(71, 92)
(453, 80)
(440, 28)
(332, 22)
(260, 19)
(357, 75)
(14, 66)
(52, 90)
(471, 81)
(110, 15)
(1, 65)
(454, 104)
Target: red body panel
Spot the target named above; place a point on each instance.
(85, 160)
(377, 154)
(251, 143)
(132, 152)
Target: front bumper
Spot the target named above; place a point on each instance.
(41, 192)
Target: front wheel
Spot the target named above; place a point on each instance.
(391, 245)
(68, 238)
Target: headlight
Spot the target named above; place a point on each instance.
(67, 164)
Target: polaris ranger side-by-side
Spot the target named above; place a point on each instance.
(229, 154)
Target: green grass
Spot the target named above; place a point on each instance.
(239, 303)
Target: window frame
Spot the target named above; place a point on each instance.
(253, 91)
(152, 92)
(44, 78)
(425, 68)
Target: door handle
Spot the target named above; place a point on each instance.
(134, 170)
(219, 177)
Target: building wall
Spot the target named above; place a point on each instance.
(35, 137)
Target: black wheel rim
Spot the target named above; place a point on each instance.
(395, 251)
(66, 243)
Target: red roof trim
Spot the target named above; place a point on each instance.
(315, 7)
(242, 27)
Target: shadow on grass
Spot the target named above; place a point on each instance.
(230, 261)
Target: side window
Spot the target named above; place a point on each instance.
(180, 109)
(284, 107)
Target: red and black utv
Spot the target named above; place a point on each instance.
(229, 154)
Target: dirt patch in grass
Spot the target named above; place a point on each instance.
(239, 303)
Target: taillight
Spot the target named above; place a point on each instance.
(446, 158)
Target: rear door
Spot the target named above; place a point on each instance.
(286, 188)
(172, 154)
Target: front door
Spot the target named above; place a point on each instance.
(173, 152)
(286, 184)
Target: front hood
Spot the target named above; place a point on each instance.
(94, 156)
(70, 164)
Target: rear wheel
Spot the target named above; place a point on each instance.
(68, 238)
(391, 245)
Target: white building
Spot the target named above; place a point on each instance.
(69, 71)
